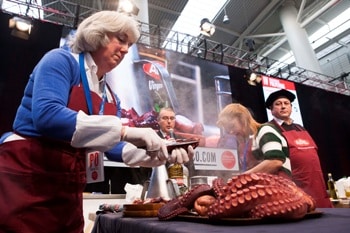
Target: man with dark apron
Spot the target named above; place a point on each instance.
(305, 163)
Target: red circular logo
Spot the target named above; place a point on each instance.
(228, 159)
(94, 175)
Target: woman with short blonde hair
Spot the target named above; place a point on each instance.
(261, 147)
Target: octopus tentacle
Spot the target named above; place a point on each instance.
(171, 209)
(258, 196)
(189, 198)
(255, 195)
(184, 203)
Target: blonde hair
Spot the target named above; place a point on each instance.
(243, 115)
(92, 31)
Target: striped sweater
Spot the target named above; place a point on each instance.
(270, 144)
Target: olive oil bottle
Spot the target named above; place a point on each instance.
(179, 173)
(331, 187)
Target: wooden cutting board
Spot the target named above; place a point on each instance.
(142, 210)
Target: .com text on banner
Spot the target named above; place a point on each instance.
(215, 159)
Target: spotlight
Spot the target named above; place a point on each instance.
(207, 28)
(226, 19)
(128, 6)
(254, 79)
(20, 27)
(250, 43)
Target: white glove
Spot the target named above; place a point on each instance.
(146, 138)
(133, 156)
(180, 155)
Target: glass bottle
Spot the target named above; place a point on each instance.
(331, 187)
(176, 172)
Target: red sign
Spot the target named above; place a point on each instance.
(152, 70)
(228, 159)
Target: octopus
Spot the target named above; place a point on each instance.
(255, 195)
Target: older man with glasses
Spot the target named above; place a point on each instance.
(166, 121)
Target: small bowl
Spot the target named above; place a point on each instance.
(196, 180)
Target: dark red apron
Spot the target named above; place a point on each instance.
(305, 165)
(42, 181)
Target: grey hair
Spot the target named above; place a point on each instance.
(92, 32)
(165, 109)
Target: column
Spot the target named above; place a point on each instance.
(304, 54)
(143, 13)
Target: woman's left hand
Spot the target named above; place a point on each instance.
(180, 155)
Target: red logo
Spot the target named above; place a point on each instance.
(151, 70)
(228, 159)
(94, 175)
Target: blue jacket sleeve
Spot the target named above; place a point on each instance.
(43, 110)
(115, 154)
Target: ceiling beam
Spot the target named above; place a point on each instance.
(253, 25)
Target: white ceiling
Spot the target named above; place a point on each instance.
(255, 19)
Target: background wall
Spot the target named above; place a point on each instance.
(327, 116)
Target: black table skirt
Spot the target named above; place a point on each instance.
(332, 220)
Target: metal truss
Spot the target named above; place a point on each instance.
(62, 12)
(70, 14)
(201, 47)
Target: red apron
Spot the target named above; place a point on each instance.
(305, 164)
(46, 180)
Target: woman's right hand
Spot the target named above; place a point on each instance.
(146, 138)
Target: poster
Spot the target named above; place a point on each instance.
(273, 84)
(151, 78)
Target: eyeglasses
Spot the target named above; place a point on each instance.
(166, 118)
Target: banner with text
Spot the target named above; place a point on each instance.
(206, 158)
